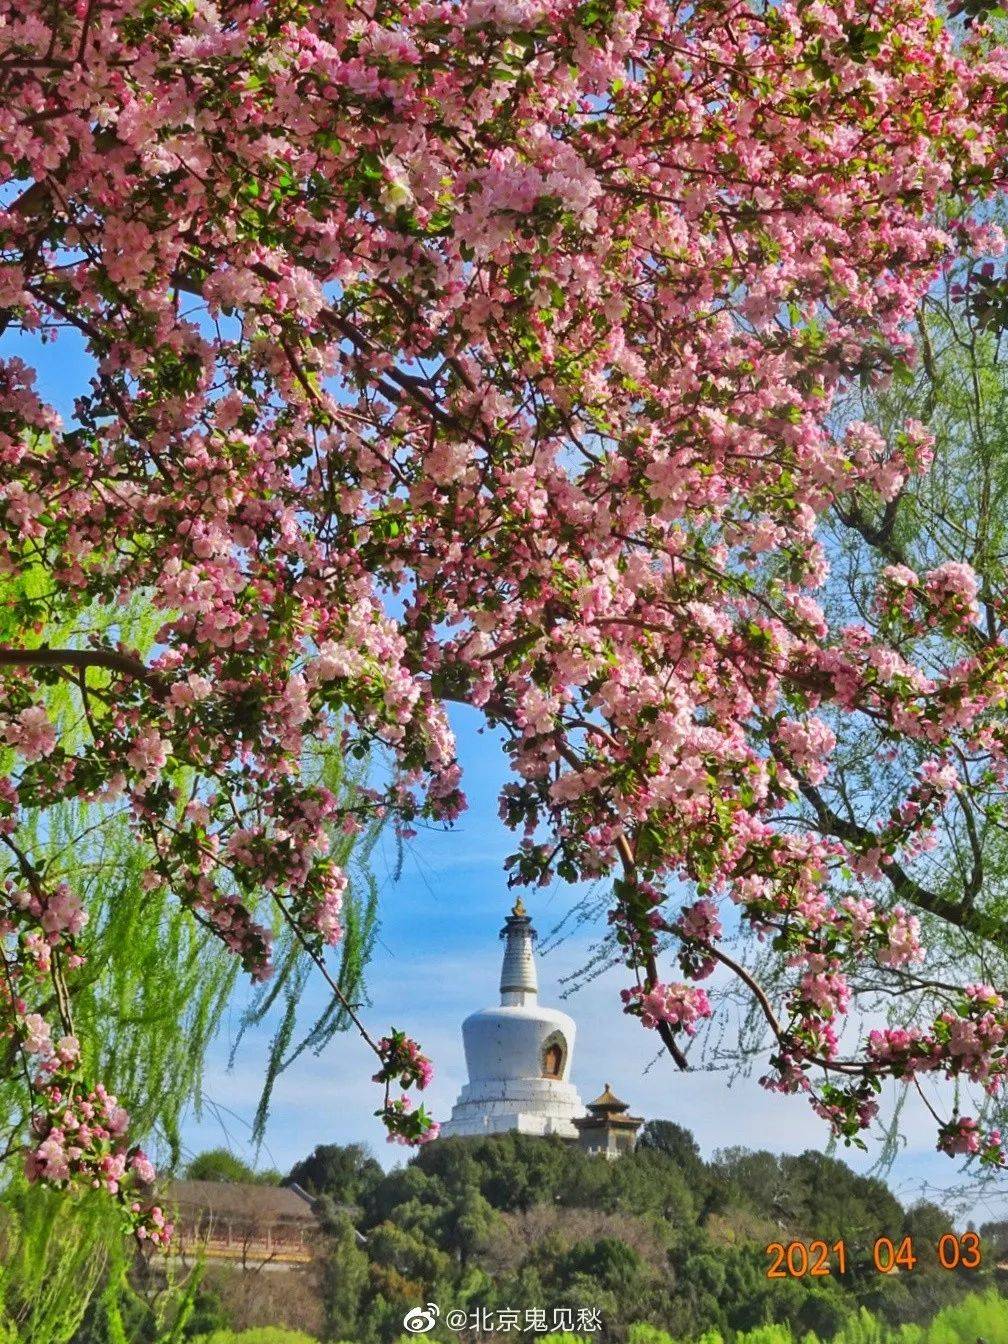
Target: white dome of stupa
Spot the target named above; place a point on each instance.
(518, 1054)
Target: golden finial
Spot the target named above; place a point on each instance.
(519, 908)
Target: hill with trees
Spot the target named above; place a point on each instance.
(657, 1240)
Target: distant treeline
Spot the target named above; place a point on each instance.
(663, 1245)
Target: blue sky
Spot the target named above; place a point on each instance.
(438, 958)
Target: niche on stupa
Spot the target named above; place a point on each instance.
(554, 1056)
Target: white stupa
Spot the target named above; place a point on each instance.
(518, 1055)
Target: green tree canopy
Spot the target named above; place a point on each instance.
(220, 1164)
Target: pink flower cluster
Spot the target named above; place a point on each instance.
(809, 745)
(824, 988)
(681, 1006)
(79, 1140)
(952, 589)
(970, 1041)
(407, 1126)
(31, 733)
(847, 1113)
(149, 754)
(946, 594)
(961, 1136)
(700, 922)
(325, 918)
(59, 913)
(902, 933)
(403, 1062)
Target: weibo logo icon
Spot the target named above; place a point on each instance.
(421, 1319)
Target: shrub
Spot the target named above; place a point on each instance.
(260, 1334)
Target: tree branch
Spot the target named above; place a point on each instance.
(962, 915)
(78, 658)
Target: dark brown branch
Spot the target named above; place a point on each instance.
(78, 658)
(664, 1029)
(960, 914)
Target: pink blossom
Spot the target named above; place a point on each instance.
(68, 1050)
(32, 733)
(953, 586)
(681, 1006)
(144, 1168)
(903, 934)
(149, 753)
(960, 1136)
(49, 1160)
(809, 745)
(700, 921)
(37, 1039)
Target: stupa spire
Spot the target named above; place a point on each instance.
(519, 982)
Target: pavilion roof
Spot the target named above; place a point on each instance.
(608, 1101)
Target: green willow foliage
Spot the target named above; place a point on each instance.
(151, 992)
(148, 1001)
(360, 918)
(54, 1253)
(982, 1316)
(62, 1257)
(154, 983)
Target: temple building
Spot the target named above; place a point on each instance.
(266, 1226)
(607, 1130)
(518, 1056)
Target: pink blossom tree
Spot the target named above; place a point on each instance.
(485, 352)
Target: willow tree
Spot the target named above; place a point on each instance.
(148, 998)
(485, 352)
(954, 515)
(145, 1010)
